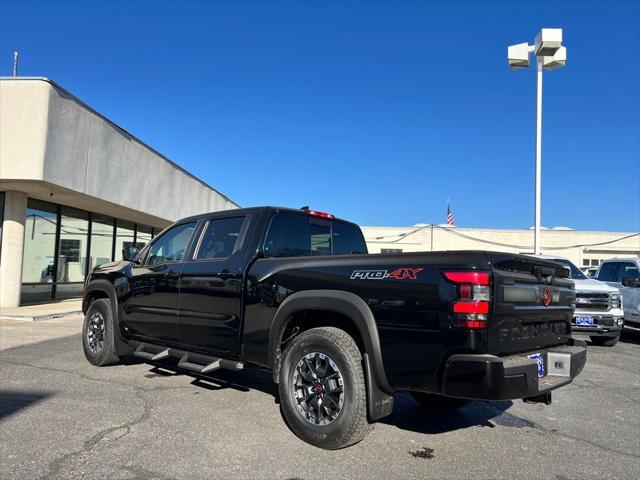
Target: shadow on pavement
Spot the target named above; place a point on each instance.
(243, 381)
(630, 335)
(407, 414)
(14, 401)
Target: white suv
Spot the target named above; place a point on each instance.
(624, 274)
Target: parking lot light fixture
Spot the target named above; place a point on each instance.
(549, 54)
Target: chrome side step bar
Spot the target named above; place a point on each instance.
(196, 362)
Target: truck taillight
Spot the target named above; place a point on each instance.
(471, 306)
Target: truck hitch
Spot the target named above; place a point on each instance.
(543, 398)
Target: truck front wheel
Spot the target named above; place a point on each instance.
(98, 335)
(322, 389)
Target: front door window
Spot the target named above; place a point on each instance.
(171, 246)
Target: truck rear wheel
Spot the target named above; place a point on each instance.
(434, 403)
(322, 389)
(98, 335)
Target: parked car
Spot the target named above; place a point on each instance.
(599, 309)
(295, 292)
(624, 274)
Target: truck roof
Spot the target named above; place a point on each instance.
(244, 211)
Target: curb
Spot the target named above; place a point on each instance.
(44, 316)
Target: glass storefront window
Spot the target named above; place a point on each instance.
(143, 235)
(39, 242)
(72, 249)
(124, 237)
(39, 250)
(101, 240)
(51, 228)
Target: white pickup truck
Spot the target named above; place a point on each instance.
(599, 311)
(624, 274)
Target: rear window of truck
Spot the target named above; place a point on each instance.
(292, 235)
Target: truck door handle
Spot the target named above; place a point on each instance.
(225, 275)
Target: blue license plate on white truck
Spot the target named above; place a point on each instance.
(584, 320)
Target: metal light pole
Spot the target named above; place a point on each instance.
(550, 54)
(538, 186)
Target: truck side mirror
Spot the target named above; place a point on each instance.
(131, 254)
(633, 282)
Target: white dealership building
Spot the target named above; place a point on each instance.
(75, 188)
(584, 248)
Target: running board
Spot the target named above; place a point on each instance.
(203, 363)
(197, 367)
(195, 362)
(151, 352)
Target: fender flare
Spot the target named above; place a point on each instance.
(344, 303)
(101, 285)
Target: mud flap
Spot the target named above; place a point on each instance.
(379, 402)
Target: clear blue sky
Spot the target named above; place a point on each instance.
(376, 111)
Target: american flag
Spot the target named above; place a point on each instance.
(449, 214)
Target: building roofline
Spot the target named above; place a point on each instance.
(511, 230)
(119, 128)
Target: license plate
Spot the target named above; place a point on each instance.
(539, 358)
(584, 320)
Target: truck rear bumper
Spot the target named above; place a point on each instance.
(489, 377)
(596, 330)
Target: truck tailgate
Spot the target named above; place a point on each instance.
(533, 303)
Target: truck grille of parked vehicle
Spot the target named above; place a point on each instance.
(594, 301)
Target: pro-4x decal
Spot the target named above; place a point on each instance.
(398, 274)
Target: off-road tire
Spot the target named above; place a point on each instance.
(107, 354)
(605, 341)
(350, 425)
(438, 403)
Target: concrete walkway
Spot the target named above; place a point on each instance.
(15, 333)
(44, 311)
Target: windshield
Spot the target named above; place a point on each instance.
(576, 274)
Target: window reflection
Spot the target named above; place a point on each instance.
(143, 236)
(72, 250)
(124, 237)
(39, 242)
(101, 239)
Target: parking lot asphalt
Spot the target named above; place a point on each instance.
(60, 417)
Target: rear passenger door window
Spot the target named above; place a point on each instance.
(220, 238)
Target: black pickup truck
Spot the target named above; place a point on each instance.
(295, 292)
